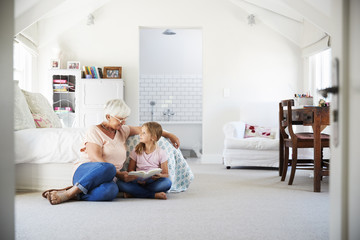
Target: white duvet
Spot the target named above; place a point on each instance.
(48, 145)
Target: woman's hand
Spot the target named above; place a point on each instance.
(174, 139)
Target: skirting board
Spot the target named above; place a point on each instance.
(39, 177)
(212, 158)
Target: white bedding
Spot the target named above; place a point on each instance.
(48, 145)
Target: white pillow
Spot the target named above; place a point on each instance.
(234, 129)
(22, 115)
(38, 104)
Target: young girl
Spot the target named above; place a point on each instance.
(146, 156)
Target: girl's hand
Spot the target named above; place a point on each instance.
(156, 177)
(126, 177)
(142, 182)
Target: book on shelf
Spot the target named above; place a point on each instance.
(63, 87)
(61, 90)
(91, 71)
(59, 81)
(146, 174)
(85, 70)
(60, 85)
(96, 69)
(62, 109)
(100, 72)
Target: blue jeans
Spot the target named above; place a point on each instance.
(95, 180)
(146, 190)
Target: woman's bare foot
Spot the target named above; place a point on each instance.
(160, 195)
(57, 197)
(127, 195)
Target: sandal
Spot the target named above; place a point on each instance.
(46, 193)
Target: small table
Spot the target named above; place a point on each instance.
(319, 119)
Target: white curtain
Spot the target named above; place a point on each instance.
(25, 62)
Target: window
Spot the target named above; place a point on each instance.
(23, 65)
(320, 73)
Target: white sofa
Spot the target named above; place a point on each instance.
(257, 150)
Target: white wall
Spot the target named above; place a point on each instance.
(254, 62)
(174, 54)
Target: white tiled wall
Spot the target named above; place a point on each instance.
(182, 94)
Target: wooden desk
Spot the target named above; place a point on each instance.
(318, 118)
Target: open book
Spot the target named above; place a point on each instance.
(144, 175)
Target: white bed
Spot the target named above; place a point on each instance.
(44, 157)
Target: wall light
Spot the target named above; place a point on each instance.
(169, 32)
(90, 20)
(251, 19)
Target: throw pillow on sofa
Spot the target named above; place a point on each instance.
(38, 104)
(257, 131)
(22, 115)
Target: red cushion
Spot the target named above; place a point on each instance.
(311, 136)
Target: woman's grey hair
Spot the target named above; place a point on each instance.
(117, 107)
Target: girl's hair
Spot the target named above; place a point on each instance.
(117, 107)
(155, 131)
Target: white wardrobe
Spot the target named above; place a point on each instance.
(91, 96)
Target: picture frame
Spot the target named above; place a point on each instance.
(112, 72)
(55, 64)
(73, 65)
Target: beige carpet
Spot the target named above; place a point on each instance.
(220, 204)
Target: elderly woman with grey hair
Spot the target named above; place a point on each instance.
(102, 156)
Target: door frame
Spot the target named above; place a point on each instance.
(344, 190)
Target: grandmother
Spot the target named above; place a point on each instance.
(102, 156)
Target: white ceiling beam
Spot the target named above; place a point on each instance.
(75, 12)
(35, 13)
(277, 7)
(311, 14)
(286, 25)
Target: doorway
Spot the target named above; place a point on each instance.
(170, 83)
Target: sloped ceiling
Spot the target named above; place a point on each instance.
(29, 12)
(297, 20)
(301, 21)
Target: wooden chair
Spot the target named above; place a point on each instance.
(295, 141)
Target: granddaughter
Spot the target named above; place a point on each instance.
(146, 156)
